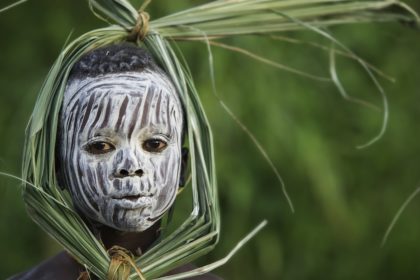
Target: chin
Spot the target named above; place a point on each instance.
(131, 221)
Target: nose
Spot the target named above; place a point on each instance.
(127, 165)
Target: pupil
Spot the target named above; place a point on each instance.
(100, 146)
(154, 144)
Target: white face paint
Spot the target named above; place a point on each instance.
(121, 147)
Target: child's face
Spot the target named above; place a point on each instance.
(121, 147)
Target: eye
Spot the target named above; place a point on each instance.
(154, 145)
(99, 147)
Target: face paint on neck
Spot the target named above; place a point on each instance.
(121, 147)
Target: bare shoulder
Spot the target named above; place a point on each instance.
(60, 266)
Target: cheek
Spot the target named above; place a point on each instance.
(92, 174)
(167, 170)
(100, 170)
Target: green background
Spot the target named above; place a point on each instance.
(344, 197)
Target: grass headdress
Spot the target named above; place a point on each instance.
(51, 207)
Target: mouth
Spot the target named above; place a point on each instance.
(133, 201)
(131, 197)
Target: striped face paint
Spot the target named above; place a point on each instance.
(121, 147)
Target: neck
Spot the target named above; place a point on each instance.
(136, 242)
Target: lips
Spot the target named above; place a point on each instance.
(133, 201)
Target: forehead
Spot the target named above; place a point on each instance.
(122, 100)
(117, 83)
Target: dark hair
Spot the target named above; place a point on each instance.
(116, 58)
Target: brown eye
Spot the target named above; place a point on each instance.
(154, 145)
(99, 147)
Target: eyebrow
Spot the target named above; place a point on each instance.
(104, 132)
(157, 129)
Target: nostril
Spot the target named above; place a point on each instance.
(123, 172)
(128, 173)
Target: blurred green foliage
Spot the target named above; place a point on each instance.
(344, 197)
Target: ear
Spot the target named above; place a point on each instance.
(184, 166)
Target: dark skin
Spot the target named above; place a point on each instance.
(63, 267)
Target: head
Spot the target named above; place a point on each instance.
(120, 138)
